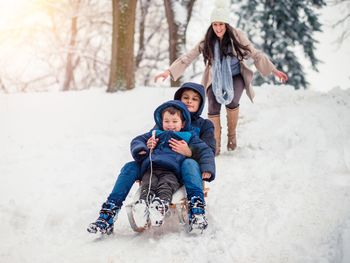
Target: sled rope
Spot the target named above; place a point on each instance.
(151, 169)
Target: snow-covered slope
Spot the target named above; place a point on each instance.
(283, 196)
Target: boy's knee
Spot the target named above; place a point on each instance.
(131, 168)
(189, 167)
(188, 162)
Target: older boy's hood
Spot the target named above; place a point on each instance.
(196, 87)
(177, 104)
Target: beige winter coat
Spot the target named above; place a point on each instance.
(261, 62)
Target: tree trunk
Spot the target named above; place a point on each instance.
(122, 62)
(69, 72)
(144, 6)
(2, 86)
(177, 30)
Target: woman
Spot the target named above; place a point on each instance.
(224, 49)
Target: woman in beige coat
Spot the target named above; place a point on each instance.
(226, 75)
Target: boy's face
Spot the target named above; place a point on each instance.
(191, 99)
(172, 122)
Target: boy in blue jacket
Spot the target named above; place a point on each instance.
(161, 175)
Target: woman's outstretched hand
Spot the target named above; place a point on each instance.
(280, 75)
(180, 146)
(165, 74)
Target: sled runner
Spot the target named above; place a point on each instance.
(177, 207)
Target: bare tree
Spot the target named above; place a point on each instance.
(2, 86)
(122, 61)
(152, 35)
(80, 35)
(69, 48)
(174, 10)
(144, 7)
(343, 19)
(69, 79)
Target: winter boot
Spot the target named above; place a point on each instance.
(157, 210)
(197, 219)
(232, 120)
(141, 214)
(105, 222)
(215, 119)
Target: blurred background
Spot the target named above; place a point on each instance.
(48, 45)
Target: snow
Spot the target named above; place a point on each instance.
(283, 196)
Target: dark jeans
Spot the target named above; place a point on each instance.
(161, 183)
(190, 176)
(214, 107)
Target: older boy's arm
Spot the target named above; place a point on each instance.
(207, 134)
(204, 156)
(181, 147)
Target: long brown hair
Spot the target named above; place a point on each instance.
(225, 45)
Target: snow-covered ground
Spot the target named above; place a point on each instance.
(283, 196)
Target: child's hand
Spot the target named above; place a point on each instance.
(152, 143)
(181, 147)
(206, 175)
(142, 153)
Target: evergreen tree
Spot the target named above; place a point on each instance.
(282, 29)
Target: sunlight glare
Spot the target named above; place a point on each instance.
(11, 10)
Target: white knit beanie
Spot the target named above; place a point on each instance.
(221, 12)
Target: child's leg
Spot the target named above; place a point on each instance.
(127, 177)
(148, 188)
(147, 191)
(192, 179)
(167, 185)
(109, 211)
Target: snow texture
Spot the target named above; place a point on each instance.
(282, 196)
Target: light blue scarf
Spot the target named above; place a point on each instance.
(222, 83)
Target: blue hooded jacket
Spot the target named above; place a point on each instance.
(163, 156)
(203, 127)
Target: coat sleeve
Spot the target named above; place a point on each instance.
(261, 61)
(178, 67)
(207, 134)
(204, 155)
(139, 144)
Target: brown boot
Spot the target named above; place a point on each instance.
(232, 120)
(215, 119)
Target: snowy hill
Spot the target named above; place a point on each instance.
(283, 196)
